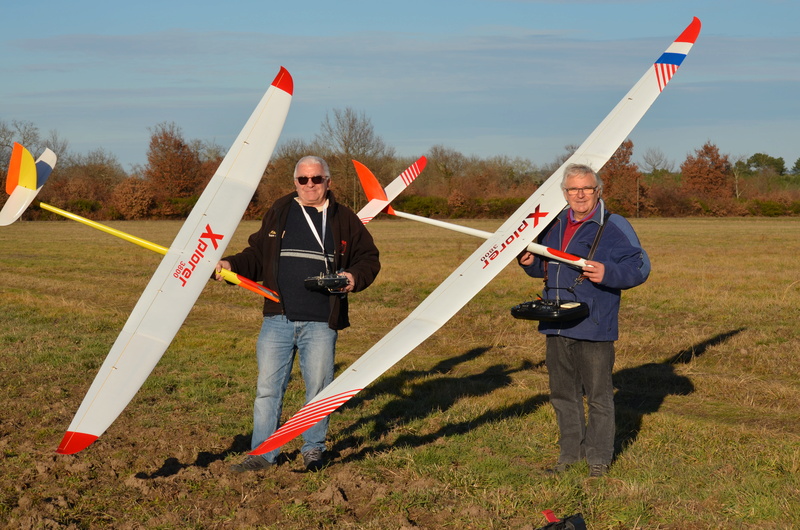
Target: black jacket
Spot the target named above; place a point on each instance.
(355, 252)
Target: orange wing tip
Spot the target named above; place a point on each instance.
(284, 81)
(75, 442)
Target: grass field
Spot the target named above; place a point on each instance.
(456, 435)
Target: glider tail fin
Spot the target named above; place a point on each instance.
(25, 178)
(372, 188)
(380, 198)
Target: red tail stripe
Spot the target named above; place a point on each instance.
(302, 420)
(664, 73)
(410, 174)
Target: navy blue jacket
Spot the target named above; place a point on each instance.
(626, 265)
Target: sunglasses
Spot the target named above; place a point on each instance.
(316, 179)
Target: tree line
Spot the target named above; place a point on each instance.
(453, 185)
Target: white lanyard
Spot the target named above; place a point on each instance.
(314, 229)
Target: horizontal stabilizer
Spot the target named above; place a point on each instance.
(25, 178)
(380, 198)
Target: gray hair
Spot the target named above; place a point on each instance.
(574, 170)
(313, 160)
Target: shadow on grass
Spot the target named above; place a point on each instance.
(418, 394)
(172, 466)
(642, 390)
(421, 393)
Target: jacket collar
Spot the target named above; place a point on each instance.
(600, 208)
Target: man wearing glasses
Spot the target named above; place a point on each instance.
(580, 353)
(303, 234)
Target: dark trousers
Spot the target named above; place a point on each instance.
(577, 368)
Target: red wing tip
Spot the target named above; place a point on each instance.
(284, 81)
(75, 442)
(691, 32)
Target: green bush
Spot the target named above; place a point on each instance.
(766, 208)
(84, 206)
(424, 206)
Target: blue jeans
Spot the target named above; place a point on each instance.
(277, 343)
(575, 368)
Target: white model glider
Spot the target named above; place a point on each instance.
(491, 257)
(184, 270)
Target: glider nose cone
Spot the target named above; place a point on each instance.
(75, 442)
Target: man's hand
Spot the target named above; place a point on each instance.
(594, 271)
(351, 283)
(526, 258)
(222, 264)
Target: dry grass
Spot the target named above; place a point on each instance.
(456, 435)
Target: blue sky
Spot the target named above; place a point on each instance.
(484, 77)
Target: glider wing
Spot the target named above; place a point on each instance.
(183, 272)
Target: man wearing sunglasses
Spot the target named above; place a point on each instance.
(580, 353)
(303, 234)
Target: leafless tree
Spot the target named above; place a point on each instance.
(348, 135)
(654, 160)
(21, 132)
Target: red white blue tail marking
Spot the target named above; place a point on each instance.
(666, 65)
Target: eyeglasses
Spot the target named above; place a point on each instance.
(586, 191)
(316, 179)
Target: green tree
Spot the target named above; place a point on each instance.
(763, 162)
(796, 167)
